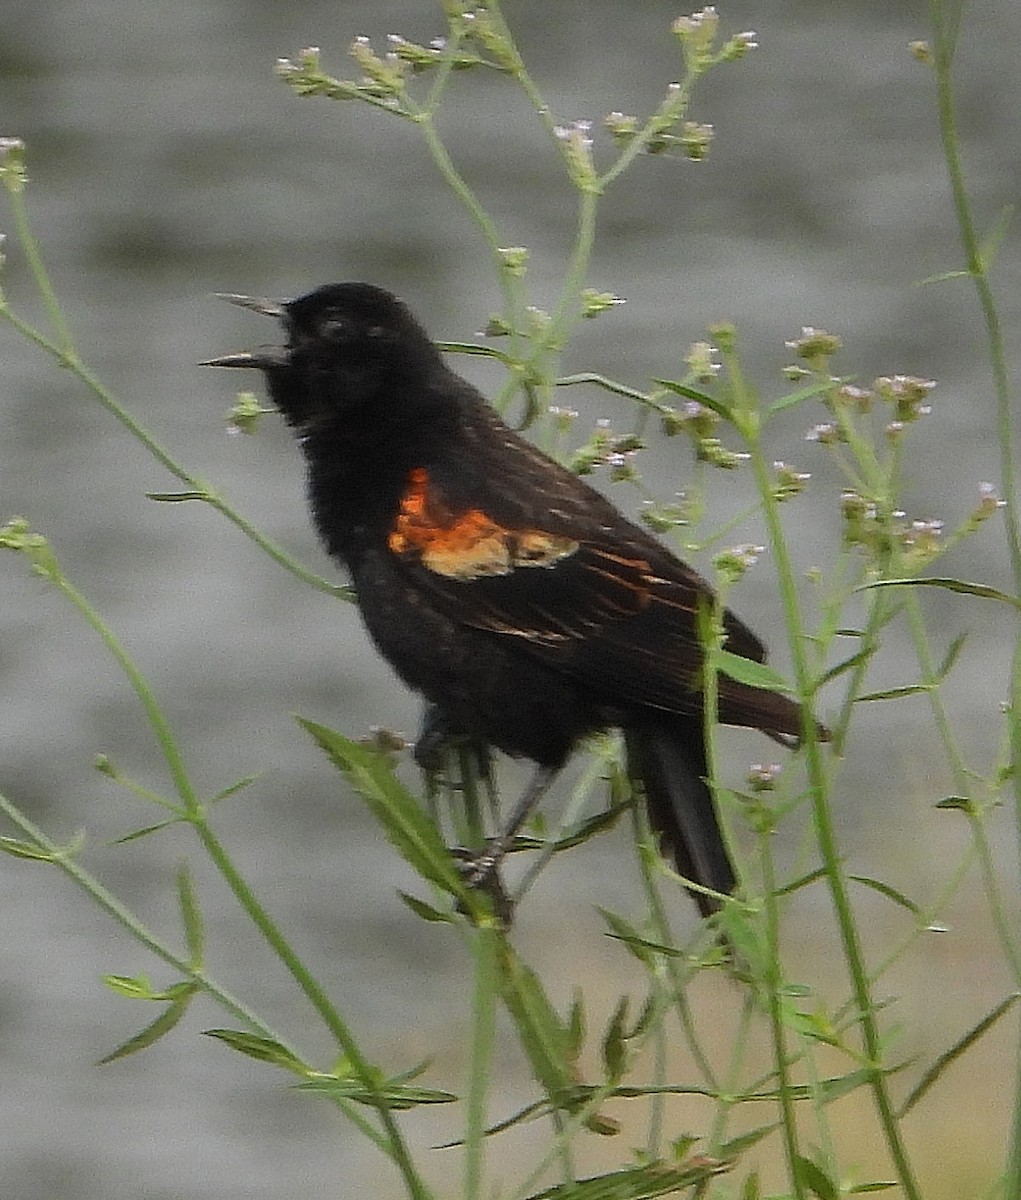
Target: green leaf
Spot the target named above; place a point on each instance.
(998, 231)
(896, 693)
(959, 802)
(891, 893)
(423, 910)
(755, 674)
(545, 1038)
(801, 395)
(815, 1179)
(955, 1051)
(234, 788)
(943, 276)
(576, 1026)
(589, 828)
(176, 497)
(950, 658)
(263, 1049)
(643, 1182)
(801, 882)
(191, 917)
(879, 1185)
(751, 1190)
(951, 585)
(135, 987)
(19, 849)
(690, 393)
(152, 1032)
(474, 348)
(841, 668)
(615, 1043)
(643, 949)
(744, 1141)
(387, 1095)
(406, 824)
(135, 834)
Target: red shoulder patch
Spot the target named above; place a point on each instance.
(469, 544)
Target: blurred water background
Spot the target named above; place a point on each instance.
(168, 163)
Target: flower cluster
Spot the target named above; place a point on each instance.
(789, 481)
(736, 561)
(663, 517)
(697, 35)
(606, 448)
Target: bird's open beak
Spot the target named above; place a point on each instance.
(268, 308)
(268, 356)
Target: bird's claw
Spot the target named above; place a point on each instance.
(480, 871)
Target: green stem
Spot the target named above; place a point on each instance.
(480, 1064)
(509, 284)
(153, 713)
(963, 786)
(195, 814)
(825, 832)
(38, 269)
(774, 984)
(109, 903)
(945, 28)
(522, 77)
(68, 358)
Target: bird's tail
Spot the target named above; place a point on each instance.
(669, 759)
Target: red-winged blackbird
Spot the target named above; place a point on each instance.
(508, 592)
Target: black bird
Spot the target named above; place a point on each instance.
(499, 585)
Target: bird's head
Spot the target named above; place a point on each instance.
(347, 345)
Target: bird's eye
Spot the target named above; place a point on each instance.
(333, 323)
(375, 331)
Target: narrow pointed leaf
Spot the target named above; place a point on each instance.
(951, 656)
(755, 674)
(951, 585)
(815, 1179)
(135, 987)
(597, 824)
(263, 1049)
(398, 1097)
(895, 693)
(801, 395)
(234, 788)
(643, 949)
(544, 1037)
(423, 910)
(144, 832)
(638, 1183)
(615, 1043)
(690, 393)
(955, 1051)
(191, 917)
(176, 497)
(150, 1034)
(891, 893)
(797, 884)
(997, 232)
(19, 849)
(403, 819)
(959, 802)
(744, 1141)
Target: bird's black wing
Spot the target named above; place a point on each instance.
(531, 552)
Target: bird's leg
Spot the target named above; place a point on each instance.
(438, 735)
(485, 865)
